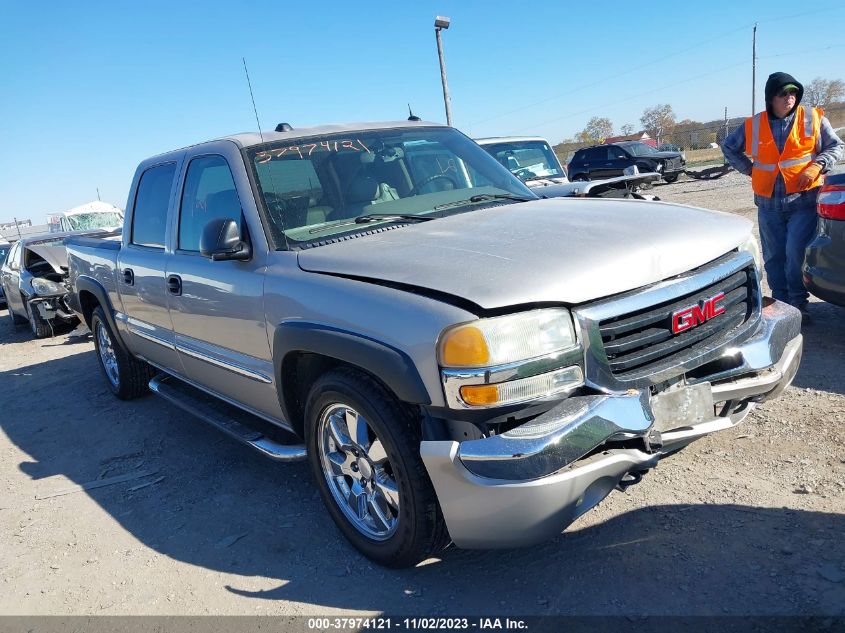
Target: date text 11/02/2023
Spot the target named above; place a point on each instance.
(423, 623)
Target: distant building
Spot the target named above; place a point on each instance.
(643, 137)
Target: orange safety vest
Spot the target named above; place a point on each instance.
(801, 147)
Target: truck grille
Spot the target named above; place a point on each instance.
(673, 164)
(637, 343)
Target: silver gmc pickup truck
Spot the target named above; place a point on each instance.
(458, 360)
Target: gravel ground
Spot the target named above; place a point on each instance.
(749, 521)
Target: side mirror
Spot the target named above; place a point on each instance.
(221, 241)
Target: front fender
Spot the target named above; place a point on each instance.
(390, 365)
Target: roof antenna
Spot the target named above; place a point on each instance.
(261, 136)
(249, 83)
(411, 115)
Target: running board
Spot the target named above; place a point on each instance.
(225, 417)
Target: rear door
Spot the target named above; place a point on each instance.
(217, 307)
(141, 266)
(617, 161)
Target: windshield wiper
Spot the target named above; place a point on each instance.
(482, 197)
(373, 217)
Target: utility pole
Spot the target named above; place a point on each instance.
(441, 23)
(98, 193)
(725, 160)
(753, 68)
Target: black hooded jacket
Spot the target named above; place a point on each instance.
(774, 84)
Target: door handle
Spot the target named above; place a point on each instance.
(174, 284)
(128, 277)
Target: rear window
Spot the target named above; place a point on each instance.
(149, 219)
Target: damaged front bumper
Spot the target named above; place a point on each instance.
(529, 483)
(53, 308)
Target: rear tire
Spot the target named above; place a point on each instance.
(127, 377)
(40, 328)
(374, 485)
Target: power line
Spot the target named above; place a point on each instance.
(609, 77)
(629, 97)
(661, 60)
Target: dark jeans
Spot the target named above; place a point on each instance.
(785, 234)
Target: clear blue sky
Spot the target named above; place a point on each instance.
(89, 89)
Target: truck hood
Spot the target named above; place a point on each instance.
(561, 250)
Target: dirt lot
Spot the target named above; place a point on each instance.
(750, 521)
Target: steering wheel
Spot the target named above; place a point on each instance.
(523, 173)
(416, 188)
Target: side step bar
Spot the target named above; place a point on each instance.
(225, 417)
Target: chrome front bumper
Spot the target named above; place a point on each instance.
(529, 483)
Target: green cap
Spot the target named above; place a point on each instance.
(790, 87)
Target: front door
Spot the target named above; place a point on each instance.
(217, 307)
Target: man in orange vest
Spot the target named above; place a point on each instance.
(785, 150)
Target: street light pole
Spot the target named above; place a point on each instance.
(441, 23)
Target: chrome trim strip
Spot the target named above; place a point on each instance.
(141, 328)
(233, 367)
(150, 337)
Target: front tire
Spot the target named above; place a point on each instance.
(364, 452)
(670, 178)
(40, 328)
(127, 377)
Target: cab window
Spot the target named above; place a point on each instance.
(149, 218)
(209, 194)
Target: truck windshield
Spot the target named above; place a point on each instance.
(311, 187)
(4, 250)
(529, 160)
(95, 221)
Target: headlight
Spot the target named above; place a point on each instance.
(510, 359)
(45, 287)
(507, 339)
(753, 248)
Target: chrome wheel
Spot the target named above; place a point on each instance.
(357, 471)
(107, 355)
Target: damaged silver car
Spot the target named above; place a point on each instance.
(33, 282)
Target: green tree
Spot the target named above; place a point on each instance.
(596, 130)
(658, 120)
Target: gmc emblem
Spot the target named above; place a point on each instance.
(688, 318)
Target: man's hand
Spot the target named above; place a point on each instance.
(806, 177)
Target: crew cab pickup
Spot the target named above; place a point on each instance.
(457, 359)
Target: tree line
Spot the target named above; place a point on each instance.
(660, 122)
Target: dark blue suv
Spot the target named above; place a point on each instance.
(619, 159)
